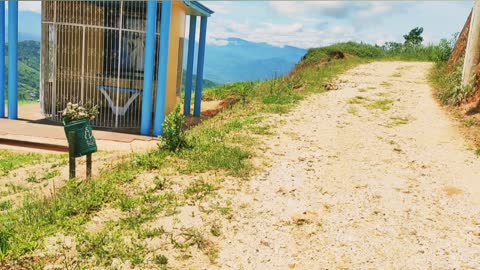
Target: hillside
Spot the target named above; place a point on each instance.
(206, 83)
(28, 70)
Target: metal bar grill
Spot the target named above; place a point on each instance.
(93, 54)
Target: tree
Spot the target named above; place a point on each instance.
(414, 37)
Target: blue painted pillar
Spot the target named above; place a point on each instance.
(12, 59)
(200, 63)
(189, 75)
(160, 103)
(2, 59)
(149, 67)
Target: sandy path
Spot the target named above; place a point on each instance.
(351, 186)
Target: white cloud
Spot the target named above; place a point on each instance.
(33, 6)
(375, 9)
(336, 9)
(298, 7)
(219, 7)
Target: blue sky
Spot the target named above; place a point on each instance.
(316, 23)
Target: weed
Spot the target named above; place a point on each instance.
(127, 203)
(383, 104)
(160, 183)
(477, 152)
(4, 244)
(174, 137)
(5, 205)
(357, 100)
(448, 84)
(51, 174)
(245, 90)
(471, 122)
(397, 75)
(160, 260)
(362, 90)
(353, 110)
(216, 229)
(386, 84)
(152, 233)
(198, 190)
(397, 121)
(32, 178)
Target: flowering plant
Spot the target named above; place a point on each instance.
(74, 112)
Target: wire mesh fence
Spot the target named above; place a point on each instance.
(93, 54)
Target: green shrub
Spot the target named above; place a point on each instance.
(448, 84)
(173, 134)
(442, 52)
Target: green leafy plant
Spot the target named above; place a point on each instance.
(174, 137)
(4, 244)
(244, 91)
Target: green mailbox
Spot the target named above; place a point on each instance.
(84, 142)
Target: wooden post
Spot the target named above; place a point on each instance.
(472, 52)
(71, 154)
(89, 166)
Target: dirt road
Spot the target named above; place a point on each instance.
(372, 175)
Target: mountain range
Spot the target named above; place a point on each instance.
(242, 60)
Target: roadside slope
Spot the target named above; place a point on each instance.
(371, 175)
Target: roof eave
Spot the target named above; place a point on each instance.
(197, 8)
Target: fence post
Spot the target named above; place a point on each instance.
(71, 154)
(472, 52)
(89, 166)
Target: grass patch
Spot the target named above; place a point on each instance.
(5, 205)
(383, 104)
(357, 100)
(386, 84)
(447, 83)
(397, 121)
(353, 110)
(11, 160)
(397, 75)
(471, 122)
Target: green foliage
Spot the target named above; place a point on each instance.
(4, 243)
(198, 190)
(414, 37)
(161, 260)
(448, 84)
(206, 83)
(5, 205)
(174, 137)
(245, 91)
(442, 52)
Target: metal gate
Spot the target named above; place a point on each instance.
(93, 54)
